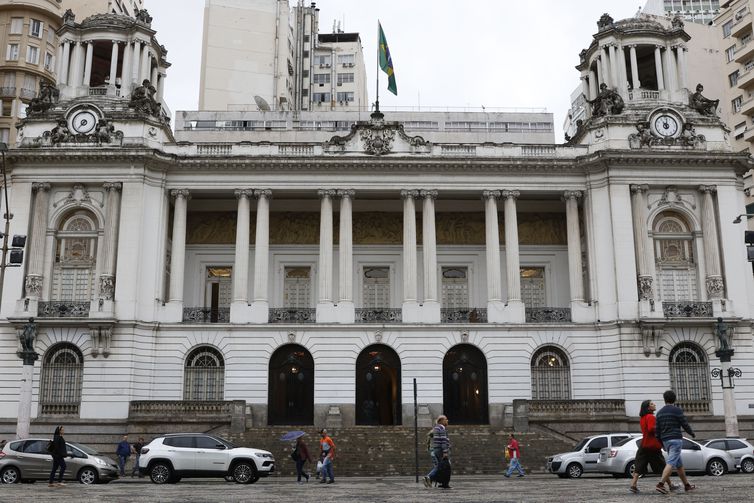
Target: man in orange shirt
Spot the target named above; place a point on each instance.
(328, 453)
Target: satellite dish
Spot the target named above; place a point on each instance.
(262, 104)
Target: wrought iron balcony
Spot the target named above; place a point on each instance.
(69, 309)
(463, 315)
(206, 315)
(687, 309)
(9, 92)
(548, 314)
(293, 315)
(378, 315)
(27, 94)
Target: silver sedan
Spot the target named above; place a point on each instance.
(619, 460)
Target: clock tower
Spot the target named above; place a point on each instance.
(634, 91)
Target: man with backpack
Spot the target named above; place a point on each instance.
(440, 451)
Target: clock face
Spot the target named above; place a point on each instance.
(83, 121)
(666, 125)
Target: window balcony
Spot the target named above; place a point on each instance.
(378, 315)
(27, 94)
(7, 92)
(464, 315)
(68, 309)
(747, 107)
(548, 314)
(744, 53)
(687, 309)
(742, 26)
(206, 315)
(746, 80)
(293, 315)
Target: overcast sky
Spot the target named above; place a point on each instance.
(446, 53)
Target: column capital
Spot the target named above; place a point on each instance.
(428, 194)
(572, 194)
(708, 189)
(346, 193)
(260, 193)
(323, 193)
(247, 193)
(112, 186)
(40, 187)
(182, 193)
(631, 46)
(116, 42)
(409, 194)
(510, 194)
(634, 188)
(490, 194)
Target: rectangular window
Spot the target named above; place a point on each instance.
(346, 97)
(321, 78)
(375, 291)
(297, 287)
(32, 54)
(11, 54)
(345, 78)
(726, 28)
(36, 27)
(4, 135)
(736, 104)
(733, 78)
(16, 25)
(730, 53)
(346, 59)
(533, 290)
(321, 97)
(7, 108)
(49, 62)
(455, 287)
(738, 132)
(218, 287)
(322, 60)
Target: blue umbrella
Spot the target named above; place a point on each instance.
(292, 435)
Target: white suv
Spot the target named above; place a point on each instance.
(171, 457)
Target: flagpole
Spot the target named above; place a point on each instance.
(377, 103)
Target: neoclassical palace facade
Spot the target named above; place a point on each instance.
(313, 265)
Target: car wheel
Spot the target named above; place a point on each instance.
(161, 473)
(716, 467)
(245, 473)
(10, 475)
(88, 475)
(747, 465)
(574, 470)
(629, 472)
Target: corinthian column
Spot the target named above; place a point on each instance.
(641, 238)
(714, 281)
(178, 249)
(88, 63)
(429, 246)
(241, 264)
(576, 273)
(325, 311)
(410, 274)
(113, 65)
(35, 273)
(492, 243)
(345, 249)
(110, 240)
(514, 305)
(260, 307)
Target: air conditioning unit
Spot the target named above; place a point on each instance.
(340, 83)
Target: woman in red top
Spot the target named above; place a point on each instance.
(650, 451)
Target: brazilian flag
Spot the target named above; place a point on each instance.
(386, 62)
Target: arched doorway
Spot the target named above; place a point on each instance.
(378, 386)
(290, 398)
(464, 385)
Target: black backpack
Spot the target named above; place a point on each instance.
(294, 454)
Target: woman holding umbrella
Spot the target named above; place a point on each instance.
(302, 456)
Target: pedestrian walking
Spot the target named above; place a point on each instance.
(123, 451)
(57, 448)
(650, 450)
(328, 455)
(137, 452)
(670, 420)
(301, 455)
(514, 455)
(441, 451)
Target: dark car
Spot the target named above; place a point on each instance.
(28, 460)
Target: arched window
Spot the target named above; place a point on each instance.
(378, 386)
(550, 374)
(464, 385)
(204, 375)
(75, 264)
(689, 377)
(61, 380)
(290, 397)
(674, 257)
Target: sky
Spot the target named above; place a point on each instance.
(446, 53)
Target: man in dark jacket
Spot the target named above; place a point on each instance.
(670, 420)
(59, 451)
(123, 451)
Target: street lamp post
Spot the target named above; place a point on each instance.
(7, 216)
(726, 373)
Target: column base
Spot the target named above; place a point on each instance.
(26, 308)
(410, 312)
(581, 312)
(240, 312)
(495, 311)
(259, 312)
(346, 312)
(172, 312)
(327, 313)
(514, 312)
(102, 308)
(430, 312)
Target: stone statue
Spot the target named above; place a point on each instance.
(677, 22)
(28, 333)
(143, 16)
(47, 97)
(689, 138)
(722, 334)
(69, 17)
(142, 99)
(642, 137)
(59, 134)
(605, 22)
(607, 102)
(701, 104)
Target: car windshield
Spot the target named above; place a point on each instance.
(624, 441)
(227, 443)
(581, 445)
(84, 448)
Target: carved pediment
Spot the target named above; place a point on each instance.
(377, 137)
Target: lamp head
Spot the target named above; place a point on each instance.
(737, 220)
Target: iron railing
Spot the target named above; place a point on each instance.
(293, 315)
(378, 315)
(687, 309)
(206, 315)
(565, 408)
(56, 309)
(548, 314)
(8, 91)
(463, 315)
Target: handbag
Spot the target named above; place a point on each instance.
(319, 466)
(507, 454)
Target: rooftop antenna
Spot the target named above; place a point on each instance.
(333, 26)
(262, 104)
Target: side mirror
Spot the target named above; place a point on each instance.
(220, 447)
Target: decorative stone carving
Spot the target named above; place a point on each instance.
(142, 99)
(33, 285)
(185, 193)
(105, 132)
(701, 104)
(112, 186)
(142, 15)
(607, 102)
(378, 336)
(48, 96)
(510, 194)
(101, 337)
(715, 287)
(377, 140)
(377, 137)
(634, 188)
(605, 22)
(645, 287)
(428, 194)
(651, 337)
(465, 336)
(26, 337)
(58, 134)
(689, 138)
(107, 287)
(677, 23)
(69, 17)
(642, 138)
(247, 193)
(572, 194)
(291, 337)
(490, 194)
(346, 193)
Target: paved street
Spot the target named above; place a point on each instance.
(535, 488)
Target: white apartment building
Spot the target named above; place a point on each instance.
(697, 11)
(264, 55)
